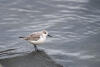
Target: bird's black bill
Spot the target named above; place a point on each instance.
(50, 36)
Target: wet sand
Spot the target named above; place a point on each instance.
(33, 59)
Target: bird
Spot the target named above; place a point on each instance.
(36, 38)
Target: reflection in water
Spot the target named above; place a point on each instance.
(36, 59)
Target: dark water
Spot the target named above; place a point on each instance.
(74, 23)
(33, 59)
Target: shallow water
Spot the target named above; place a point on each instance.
(75, 25)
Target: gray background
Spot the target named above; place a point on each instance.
(75, 25)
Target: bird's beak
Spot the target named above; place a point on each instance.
(50, 36)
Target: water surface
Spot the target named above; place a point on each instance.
(74, 23)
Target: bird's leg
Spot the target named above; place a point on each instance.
(36, 49)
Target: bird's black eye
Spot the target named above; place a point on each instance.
(44, 32)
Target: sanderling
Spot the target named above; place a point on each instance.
(36, 38)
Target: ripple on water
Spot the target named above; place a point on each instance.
(79, 55)
(68, 20)
(80, 1)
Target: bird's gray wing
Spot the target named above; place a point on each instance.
(33, 37)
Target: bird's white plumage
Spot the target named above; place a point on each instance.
(40, 41)
(37, 37)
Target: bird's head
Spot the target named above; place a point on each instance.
(45, 33)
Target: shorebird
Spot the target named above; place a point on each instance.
(37, 38)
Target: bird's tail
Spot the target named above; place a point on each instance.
(21, 37)
(25, 38)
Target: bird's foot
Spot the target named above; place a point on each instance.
(38, 50)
